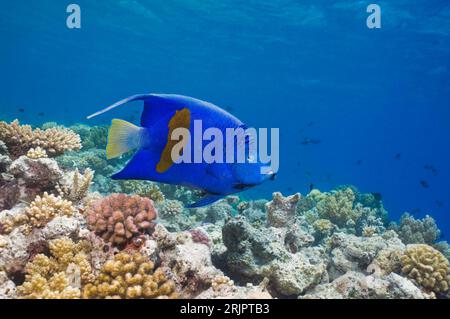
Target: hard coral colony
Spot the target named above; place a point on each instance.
(68, 231)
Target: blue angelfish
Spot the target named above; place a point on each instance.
(162, 114)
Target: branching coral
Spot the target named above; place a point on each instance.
(154, 193)
(46, 207)
(20, 138)
(130, 276)
(59, 276)
(338, 207)
(35, 153)
(79, 185)
(118, 218)
(416, 231)
(427, 266)
(171, 208)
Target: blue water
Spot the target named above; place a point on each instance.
(311, 68)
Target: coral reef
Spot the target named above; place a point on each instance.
(130, 276)
(20, 138)
(426, 266)
(281, 211)
(119, 218)
(44, 209)
(59, 276)
(66, 232)
(415, 231)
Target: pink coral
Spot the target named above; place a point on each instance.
(200, 236)
(119, 218)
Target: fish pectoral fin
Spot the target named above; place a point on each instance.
(122, 137)
(207, 200)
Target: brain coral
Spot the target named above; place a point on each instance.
(20, 138)
(59, 276)
(130, 276)
(119, 218)
(427, 266)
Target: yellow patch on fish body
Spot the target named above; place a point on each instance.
(181, 119)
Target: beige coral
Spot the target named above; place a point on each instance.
(54, 277)
(130, 276)
(36, 153)
(46, 207)
(78, 187)
(427, 266)
(119, 218)
(20, 138)
(338, 207)
(171, 208)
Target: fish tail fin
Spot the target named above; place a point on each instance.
(123, 136)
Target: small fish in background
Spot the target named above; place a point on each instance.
(424, 184)
(21, 110)
(290, 189)
(431, 168)
(310, 124)
(439, 203)
(298, 164)
(415, 212)
(358, 162)
(308, 174)
(41, 114)
(310, 141)
(229, 109)
(378, 197)
(311, 187)
(397, 156)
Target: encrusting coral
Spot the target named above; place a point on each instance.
(130, 276)
(46, 207)
(119, 218)
(426, 266)
(20, 138)
(59, 276)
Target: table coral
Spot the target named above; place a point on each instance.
(20, 138)
(118, 218)
(130, 276)
(53, 277)
(427, 266)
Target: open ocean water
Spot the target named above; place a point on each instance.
(359, 106)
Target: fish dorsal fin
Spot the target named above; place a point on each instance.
(158, 106)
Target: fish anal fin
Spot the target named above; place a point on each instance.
(207, 200)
